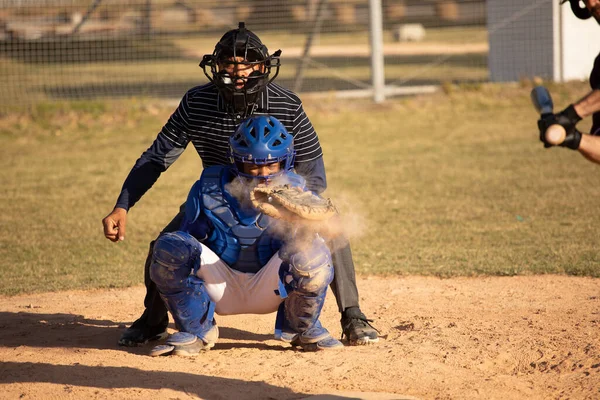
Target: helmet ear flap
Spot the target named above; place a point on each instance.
(579, 11)
(206, 60)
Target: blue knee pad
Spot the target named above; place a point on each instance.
(175, 256)
(175, 261)
(305, 278)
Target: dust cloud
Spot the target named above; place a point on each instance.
(346, 225)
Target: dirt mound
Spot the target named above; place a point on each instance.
(494, 338)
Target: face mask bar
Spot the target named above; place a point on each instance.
(217, 77)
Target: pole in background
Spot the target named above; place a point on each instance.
(303, 62)
(377, 60)
(87, 15)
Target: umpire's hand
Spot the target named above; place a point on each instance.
(114, 224)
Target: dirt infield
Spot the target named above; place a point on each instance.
(493, 338)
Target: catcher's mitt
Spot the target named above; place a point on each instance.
(290, 203)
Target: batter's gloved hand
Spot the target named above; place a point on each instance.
(543, 123)
(572, 140)
(568, 118)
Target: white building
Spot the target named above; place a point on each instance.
(539, 38)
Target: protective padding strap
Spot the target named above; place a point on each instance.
(282, 290)
(211, 311)
(283, 287)
(279, 321)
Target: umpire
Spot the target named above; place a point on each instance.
(241, 73)
(587, 145)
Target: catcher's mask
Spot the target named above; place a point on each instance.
(239, 49)
(578, 9)
(261, 140)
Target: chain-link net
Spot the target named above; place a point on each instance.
(59, 49)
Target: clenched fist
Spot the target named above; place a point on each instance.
(114, 224)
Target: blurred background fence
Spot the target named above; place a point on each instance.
(89, 49)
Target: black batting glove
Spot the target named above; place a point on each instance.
(543, 123)
(572, 140)
(568, 118)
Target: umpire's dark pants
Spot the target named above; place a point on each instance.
(343, 285)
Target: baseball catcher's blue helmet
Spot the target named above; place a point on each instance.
(261, 140)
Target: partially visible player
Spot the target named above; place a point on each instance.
(589, 105)
(228, 258)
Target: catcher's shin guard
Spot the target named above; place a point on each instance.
(176, 255)
(305, 278)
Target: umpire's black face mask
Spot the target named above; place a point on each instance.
(240, 67)
(240, 73)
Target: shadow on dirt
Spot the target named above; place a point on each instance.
(76, 331)
(106, 377)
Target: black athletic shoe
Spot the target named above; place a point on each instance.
(357, 328)
(139, 333)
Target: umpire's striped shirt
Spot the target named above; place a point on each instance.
(202, 120)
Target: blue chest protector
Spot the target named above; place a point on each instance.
(241, 237)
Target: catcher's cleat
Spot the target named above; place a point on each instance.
(184, 344)
(139, 333)
(315, 339)
(328, 343)
(357, 328)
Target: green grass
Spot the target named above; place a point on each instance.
(452, 184)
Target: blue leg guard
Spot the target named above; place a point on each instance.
(175, 260)
(305, 277)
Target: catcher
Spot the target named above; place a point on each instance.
(229, 257)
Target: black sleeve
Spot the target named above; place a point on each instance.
(167, 147)
(314, 173)
(595, 84)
